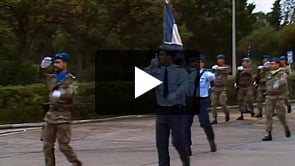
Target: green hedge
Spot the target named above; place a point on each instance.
(21, 104)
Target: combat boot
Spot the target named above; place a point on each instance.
(274, 114)
(77, 163)
(267, 137)
(227, 117)
(259, 115)
(241, 117)
(214, 121)
(289, 108)
(288, 133)
(252, 114)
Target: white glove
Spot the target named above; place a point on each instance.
(260, 67)
(56, 94)
(235, 85)
(155, 62)
(267, 64)
(254, 83)
(214, 67)
(240, 68)
(276, 85)
(171, 96)
(46, 62)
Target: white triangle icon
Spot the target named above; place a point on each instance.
(144, 82)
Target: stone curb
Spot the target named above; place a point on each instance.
(40, 124)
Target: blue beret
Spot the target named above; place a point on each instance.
(267, 56)
(61, 55)
(277, 60)
(283, 58)
(246, 59)
(220, 56)
(171, 47)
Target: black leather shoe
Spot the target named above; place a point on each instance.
(212, 146)
(289, 108)
(288, 133)
(186, 162)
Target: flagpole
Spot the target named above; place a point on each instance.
(233, 38)
(164, 8)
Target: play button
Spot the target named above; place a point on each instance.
(144, 82)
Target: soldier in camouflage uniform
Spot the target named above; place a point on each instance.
(286, 68)
(244, 86)
(62, 87)
(276, 85)
(260, 83)
(218, 90)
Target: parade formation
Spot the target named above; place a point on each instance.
(187, 90)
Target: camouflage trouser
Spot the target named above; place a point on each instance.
(280, 107)
(218, 97)
(260, 97)
(61, 132)
(245, 97)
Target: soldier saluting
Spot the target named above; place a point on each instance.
(244, 86)
(218, 90)
(62, 87)
(260, 83)
(276, 85)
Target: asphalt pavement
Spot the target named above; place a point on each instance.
(131, 142)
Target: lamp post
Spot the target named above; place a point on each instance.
(234, 71)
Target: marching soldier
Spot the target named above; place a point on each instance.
(62, 86)
(244, 86)
(276, 85)
(286, 68)
(172, 116)
(219, 87)
(260, 83)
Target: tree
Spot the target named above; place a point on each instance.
(275, 16)
(287, 40)
(263, 40)
(211, 24)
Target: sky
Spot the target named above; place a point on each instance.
(262, 5)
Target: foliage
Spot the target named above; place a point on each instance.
(20, 104)
(33, 29)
